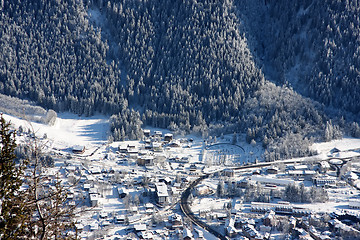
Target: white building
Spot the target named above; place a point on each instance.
(94, 200)
(324, 180)
(275, 181)
(162, 194)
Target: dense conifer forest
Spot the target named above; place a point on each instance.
(279, 71)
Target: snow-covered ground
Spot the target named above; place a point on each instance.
(69, 130)
(345, 144)
(206, 156)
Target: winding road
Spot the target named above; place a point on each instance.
(185, 195)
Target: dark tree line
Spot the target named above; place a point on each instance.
(52, 55)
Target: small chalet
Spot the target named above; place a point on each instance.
(122, 148)
(334, 150)
(146, 132)
(166, 180)
(132, 150)
(145, 161)
(78, 149)
(87, 186)
(156, 147)
(149, 208)
(158, 134)
(272, 170)
(193, 168)
(176, 221)
(131, 146)
(174, 144)
(120, 219)
(94, 199)
(122, 192)
(168, 137)
(140, 227)
(269, 218)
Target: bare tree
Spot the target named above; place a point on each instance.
(41, 210)
(52, 214)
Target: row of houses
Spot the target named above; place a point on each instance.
(279, 208)
(158, 134)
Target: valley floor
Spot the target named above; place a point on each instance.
(119, 183)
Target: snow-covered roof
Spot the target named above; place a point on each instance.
(324, 164)
(300, 167)
(175, 218)
(295, 172)
(93, 197)
(161, 189)
(336, 161)
(123, 147)
(187, 233)
(156, 144)
(147, 235)
(270, 214)
(202, 187)
(140, 227)
(149, 205)
(354, 203)
(78, 148)
(262, 179)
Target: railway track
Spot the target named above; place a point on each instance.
(187, 211)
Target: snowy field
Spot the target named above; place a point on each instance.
(69, 130)
(224, 152)
(345, 144)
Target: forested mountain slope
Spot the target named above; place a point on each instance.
(315, 45)
(50, 54)
(188, 65)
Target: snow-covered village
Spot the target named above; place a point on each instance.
(195, 119)
(168, 186)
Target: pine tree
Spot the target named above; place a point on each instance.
(38, 211)
(13, 208)
(220, 190)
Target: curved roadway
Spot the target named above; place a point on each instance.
(187, 211)
(185, 195)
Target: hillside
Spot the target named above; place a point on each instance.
(314, 45)
(188, 66)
